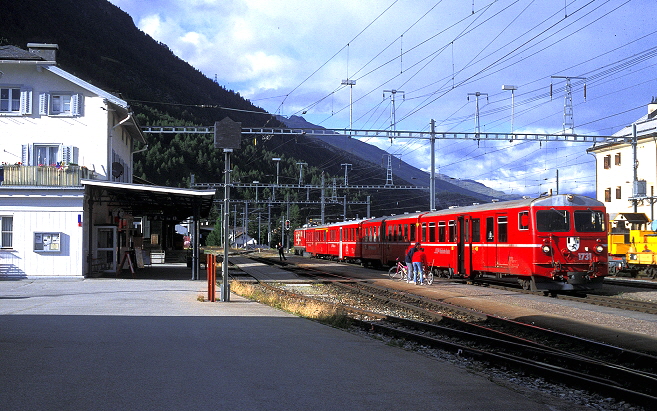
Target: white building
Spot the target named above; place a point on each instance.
(67, 203)
(615, 171)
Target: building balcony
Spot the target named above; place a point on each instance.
(50, 176)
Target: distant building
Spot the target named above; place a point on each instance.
(67, 203)
(615, 185)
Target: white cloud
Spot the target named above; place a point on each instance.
(298, 51)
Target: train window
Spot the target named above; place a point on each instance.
(502, 229)
(389, 233)
(412, 232)
(441, 232)
(588, 221)
(476, 230)
(400, 236)
(523, 220)
(452, 231)
(405, 232)
(432, 232)
(552, 220)
(490, 227)
(424, 232)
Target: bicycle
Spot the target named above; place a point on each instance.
(398, 271)
(428, 275)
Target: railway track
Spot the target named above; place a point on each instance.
(649, 284)
(605, 369)
(600, 300)
(611, 371)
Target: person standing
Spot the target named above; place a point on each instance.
(419, 262)
(281, 254)
(409, 261)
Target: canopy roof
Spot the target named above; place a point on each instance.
(140, 200)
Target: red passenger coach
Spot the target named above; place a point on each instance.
(300, 240)
(399, 232)
(340, 240)
(554, 243)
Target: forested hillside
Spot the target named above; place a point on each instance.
(100, 44)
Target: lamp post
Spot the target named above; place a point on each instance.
(513, 89)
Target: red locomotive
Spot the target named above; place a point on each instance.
(555, 243)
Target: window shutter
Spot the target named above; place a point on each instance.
(26, 154)
(26, 101)
(43, 103)
(70, 154)
(77, 101)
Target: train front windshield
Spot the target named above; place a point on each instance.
(586, 221)
(589, 221)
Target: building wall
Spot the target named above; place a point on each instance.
(87, 131)
(617, 179)
(32, 215)
(121, 147)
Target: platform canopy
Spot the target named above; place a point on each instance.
(150, 200)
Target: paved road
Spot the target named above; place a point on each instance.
(119, 344)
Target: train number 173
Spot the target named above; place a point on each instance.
(584, 256)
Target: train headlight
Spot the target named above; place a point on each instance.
(547, 249)
(599, 248)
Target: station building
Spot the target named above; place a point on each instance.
(69, 206)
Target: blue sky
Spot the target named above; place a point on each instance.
(290, 57)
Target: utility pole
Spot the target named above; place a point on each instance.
(393, 120)
(477, 94)
(346, 167)
(273, 190)
(301, 172)
(568, 119)
(513, 106)
(351, 84)
(635, 166)
(334, 191)
(269, 223)
(323, 200)
(432, 177)
(389, 168)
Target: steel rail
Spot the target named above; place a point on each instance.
(537, 365)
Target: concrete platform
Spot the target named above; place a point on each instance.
(263, 272)
(148, 344)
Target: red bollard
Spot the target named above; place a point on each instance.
(212, 276)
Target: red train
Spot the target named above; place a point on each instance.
(556, 243)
